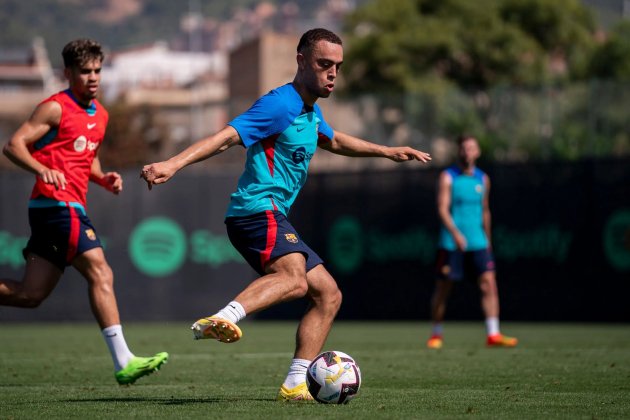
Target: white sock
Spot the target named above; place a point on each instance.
(121, 355)
(297, 373)
(437, 329)
(232, 312)
(492, 325)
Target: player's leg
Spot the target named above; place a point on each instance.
(272, 247)
(285, 280)
(100, 278)
(449, 268)
(490, 300)
(40, 278)
(489, 295)
(94, 268)
(324, 302)
(441, 293)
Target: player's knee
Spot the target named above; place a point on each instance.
(104, 273)
(299, 286)
(102, 277)
(294, 280)
(335, 299)
(330, 301)
(31, 300)
(488, 285)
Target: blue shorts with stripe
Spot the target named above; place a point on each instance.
(458, 265)
(264, 236)
(59, 233)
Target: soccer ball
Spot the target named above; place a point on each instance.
(333, 377)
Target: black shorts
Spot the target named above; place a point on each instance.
(458, 265)
(58, 234)
(264, 236)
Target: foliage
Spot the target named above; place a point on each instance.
(134, 136)
(514, 72)
(612, 59)
(394, 44)
(567, 122)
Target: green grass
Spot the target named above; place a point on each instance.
(565, 371)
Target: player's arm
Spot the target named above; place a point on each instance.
(347, 145)
(111, 181)
(444, 209)
(159, 173)
(45, 118)
(487, 218)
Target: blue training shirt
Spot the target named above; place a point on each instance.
(281, 134)
(467, 192)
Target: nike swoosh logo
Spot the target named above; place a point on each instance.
(113, 335)
(91, 126)
(300, 128)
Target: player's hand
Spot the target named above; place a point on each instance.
(53, 176)
(112, 181)
(404, 154)
(157, 173)
(460, 241)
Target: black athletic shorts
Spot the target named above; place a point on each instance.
(58, 234)
(264, 236)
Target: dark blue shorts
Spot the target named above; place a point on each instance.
(458, 265)
(58, 234)
(262, 237)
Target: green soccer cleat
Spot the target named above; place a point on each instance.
(139, 367)
(217, 328)
(297, 393)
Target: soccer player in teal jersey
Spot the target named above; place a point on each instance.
(464, 245)
(281, 132)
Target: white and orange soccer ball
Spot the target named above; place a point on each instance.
(333, 377)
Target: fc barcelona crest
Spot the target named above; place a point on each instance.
(291, 237)
(90, 234)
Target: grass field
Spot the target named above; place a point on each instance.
(566, 371)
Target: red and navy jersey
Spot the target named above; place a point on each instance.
(70, 148)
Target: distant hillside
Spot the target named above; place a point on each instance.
(115, 23)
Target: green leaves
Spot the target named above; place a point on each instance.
(474, 45)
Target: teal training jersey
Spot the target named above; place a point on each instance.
(467, 192)
(281, 134)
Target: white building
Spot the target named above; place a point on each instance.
(156, 66)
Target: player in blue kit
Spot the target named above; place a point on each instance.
(281, 132)
(464, 245)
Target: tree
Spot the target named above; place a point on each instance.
(396, 44)
(482, 67)
(612, 59)
(134, 136)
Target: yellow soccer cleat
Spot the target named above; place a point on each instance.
(297, 393)
(435, 342)
(500, 340)
(217, 328)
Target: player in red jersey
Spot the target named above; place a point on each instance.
(59, 144)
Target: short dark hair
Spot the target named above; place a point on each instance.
(463, 137)
(312, 36)
(80, 51)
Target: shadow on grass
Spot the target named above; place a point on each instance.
(168, 401)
